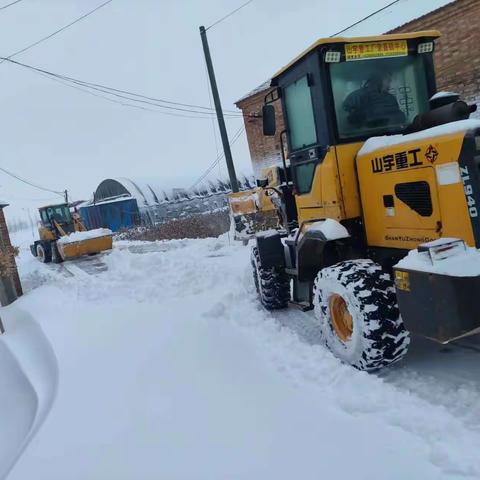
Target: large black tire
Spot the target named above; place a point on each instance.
(377, 337)
(272, 284)
(44, 254)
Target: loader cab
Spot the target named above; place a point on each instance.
(339, 93)
(57, 214)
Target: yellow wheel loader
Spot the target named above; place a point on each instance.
(63, 236)
(378, 199)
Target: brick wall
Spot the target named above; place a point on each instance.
(264, 151)
(457, 66)
(457, 54)
(11, 286)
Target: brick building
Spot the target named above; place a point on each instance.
(264, 151)
(457, 65)
(457, 59)
(10, 286)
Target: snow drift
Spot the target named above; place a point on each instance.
(171, 370)
(28, 384)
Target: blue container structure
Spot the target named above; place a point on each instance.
(116, 214)
(121, 203)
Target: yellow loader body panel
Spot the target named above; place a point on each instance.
(397, 216)
(46, 234)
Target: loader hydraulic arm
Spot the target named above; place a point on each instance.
(284, 202)
(59, 228)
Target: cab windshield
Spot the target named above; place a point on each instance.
(378, 96)
(59, 213)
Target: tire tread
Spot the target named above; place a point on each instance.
(387, 337)
(274, 291)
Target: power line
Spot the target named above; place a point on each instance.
(219, 157)
(366, 18)
(205, 174)
(229, 14)
(108, 91)
(10, 4)
(118, 102)
(9, 196)
(112, 100)
(17, 177)
(90, 84)
(153, 98)
(124, 94)
(58, 31)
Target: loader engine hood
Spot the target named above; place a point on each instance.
(422, 186)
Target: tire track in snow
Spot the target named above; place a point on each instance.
(450, 439)
(414, 396)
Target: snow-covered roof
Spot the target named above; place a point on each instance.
(261, 88)
(147, 192)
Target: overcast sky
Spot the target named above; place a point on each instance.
(63, 138)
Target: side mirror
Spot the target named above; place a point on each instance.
(262, 182)
(269, 124)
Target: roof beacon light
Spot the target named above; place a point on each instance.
(332, 57)
(426, 47)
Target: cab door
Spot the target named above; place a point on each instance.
(313, 161)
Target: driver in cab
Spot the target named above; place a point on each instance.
(373, 105)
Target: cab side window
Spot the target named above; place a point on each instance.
(304, 176)
(299, 110)
(301, 128)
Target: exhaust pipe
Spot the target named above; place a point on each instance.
(452, 112)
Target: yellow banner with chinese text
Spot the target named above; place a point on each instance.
(361, 51)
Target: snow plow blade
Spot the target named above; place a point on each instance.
(85, 247)
(252, 211)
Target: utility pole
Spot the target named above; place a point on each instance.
(218, 109)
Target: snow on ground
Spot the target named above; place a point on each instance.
(169, 369)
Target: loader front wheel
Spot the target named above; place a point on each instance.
(272, 284)
(44, 254)
(356, 308)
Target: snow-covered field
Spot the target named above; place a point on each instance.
(169, 369)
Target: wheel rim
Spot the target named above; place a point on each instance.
(40, 253)
(342, 320)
